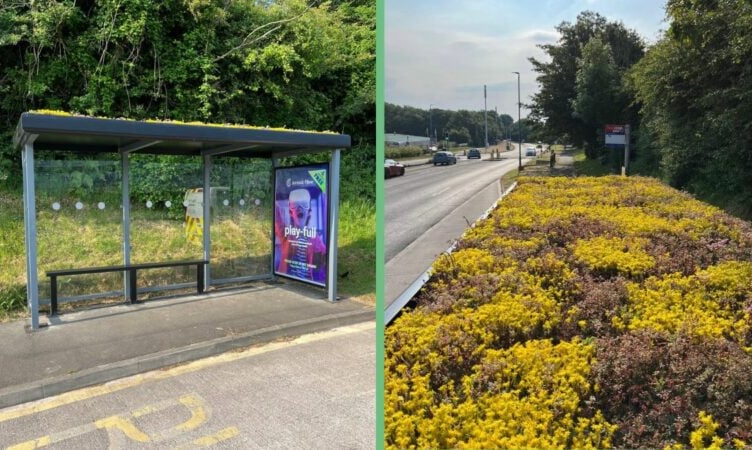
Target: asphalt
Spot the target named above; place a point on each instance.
(93, 346)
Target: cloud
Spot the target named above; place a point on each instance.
(542, 36)
(438, 52)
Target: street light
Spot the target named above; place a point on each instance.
(485, 116)
(430, 124)
(519, 121)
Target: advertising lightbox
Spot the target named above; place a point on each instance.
(301, 219)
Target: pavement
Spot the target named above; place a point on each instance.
(564, 166)
(93, 346)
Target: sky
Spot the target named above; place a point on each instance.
(440, 53)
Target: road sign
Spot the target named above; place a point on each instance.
(615, 136)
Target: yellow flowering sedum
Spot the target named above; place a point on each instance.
(704, 436)
(707, 304)
(501, 352)
(529, 395)
(614, 254)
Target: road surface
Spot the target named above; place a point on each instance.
(429, 208)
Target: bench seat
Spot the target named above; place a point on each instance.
(131, 271)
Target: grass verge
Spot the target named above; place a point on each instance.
(588, 167)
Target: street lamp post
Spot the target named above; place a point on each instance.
(519, 122)
(430, 124)
(485, 116)
(498, 150)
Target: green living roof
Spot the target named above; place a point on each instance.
(51, 130)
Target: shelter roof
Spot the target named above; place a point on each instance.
(84, 134)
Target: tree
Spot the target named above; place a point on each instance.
(460, 135)
(695, 91)
(281, 63)
(598, 97)
(553, 104)
(467, 126)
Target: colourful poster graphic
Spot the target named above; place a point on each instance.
(301, 223)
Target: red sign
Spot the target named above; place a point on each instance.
(614, 129)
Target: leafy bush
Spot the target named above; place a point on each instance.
(403, 152)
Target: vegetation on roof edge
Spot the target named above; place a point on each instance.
(51, 112)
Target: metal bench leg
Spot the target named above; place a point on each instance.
(133, 285)
(200, 278)
(53, 295)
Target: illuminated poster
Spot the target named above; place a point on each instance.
(300, 223)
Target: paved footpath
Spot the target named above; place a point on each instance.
(94, 346)
(315, 391)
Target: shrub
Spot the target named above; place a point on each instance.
(403, 152)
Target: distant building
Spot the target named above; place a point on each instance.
(404, 140)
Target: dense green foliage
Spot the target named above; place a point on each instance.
(283, 63)
(280, 63)
(688, 97)
(581, 86)
(695, 89)
(458, 126)
(403, 152)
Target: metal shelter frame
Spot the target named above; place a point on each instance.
(88, 135)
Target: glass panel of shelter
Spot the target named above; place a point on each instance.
(80, 220)
(241, 221)
(79, 223)
(163, 190)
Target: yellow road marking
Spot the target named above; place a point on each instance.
(122, 422)
(30, 445)
(68, 398)
(124, 425)
(148, 409)
(219, 436)
(198, 413)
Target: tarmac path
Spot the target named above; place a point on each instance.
(314, 391)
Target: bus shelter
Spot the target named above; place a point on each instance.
(172, 200)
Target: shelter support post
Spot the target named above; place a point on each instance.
(207, 218)
(30, 219)
(275, 164)
(126, 200)
(333, 225)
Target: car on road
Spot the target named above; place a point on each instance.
(530, 151)
(473, 153)
(444, 158)
(393, 169)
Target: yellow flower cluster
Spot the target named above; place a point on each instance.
(54, 112)
(604, 254)
(706, 432)
(633, 206)
(709, 303)
(464, 262)
(528, 395)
